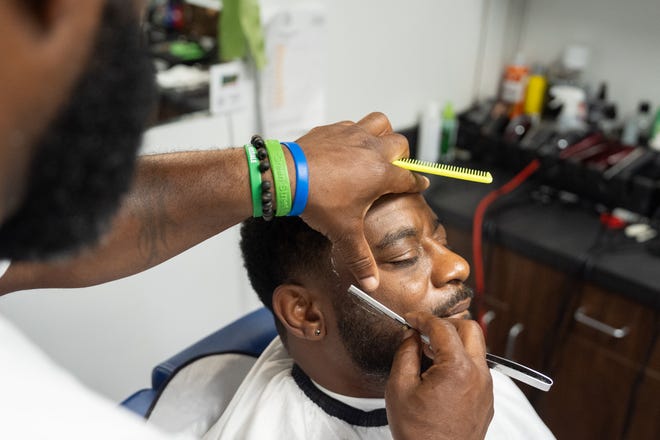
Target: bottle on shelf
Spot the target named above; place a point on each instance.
(637, 129)
(644, 122)
(654, 141)
(535, 94)
(448, 133)
(608, 124)
(514, 85)
(429, 133)
(597, 105)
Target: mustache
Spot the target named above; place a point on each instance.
(461, 293)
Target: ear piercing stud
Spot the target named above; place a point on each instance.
(317, 332)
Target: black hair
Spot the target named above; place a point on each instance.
(279, 251)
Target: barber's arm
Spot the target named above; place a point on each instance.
(181, 199)
(453, 399)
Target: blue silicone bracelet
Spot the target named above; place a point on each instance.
(302, 178)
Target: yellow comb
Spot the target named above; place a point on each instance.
(440, 169)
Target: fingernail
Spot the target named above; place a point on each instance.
(369, 283)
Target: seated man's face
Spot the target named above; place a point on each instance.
(417, 273)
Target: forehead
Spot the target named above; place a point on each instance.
(394, 212)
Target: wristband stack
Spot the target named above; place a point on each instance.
(269, 155)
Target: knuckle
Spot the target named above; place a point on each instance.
(470, 328)
(470, 324)
(356, 258)
(379, 117)
(401, 142)
(359, 263)
(437, 327)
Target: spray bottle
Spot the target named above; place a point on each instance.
(571, 100)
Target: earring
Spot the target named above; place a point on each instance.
(317, 332)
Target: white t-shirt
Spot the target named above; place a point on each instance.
(277, 400)
(39, 400)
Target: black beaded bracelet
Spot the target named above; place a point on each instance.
(268, 211)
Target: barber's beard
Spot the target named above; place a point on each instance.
(372, 339)
(85, 160)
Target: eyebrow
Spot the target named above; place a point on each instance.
(392, 237)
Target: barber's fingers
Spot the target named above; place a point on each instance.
(376, 124)
(406, 366)
(451, 337)
(394, 146)
(405, 181)
(353, 249)
(453, 398)
(472, 338)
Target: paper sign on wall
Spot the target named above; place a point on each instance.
(231, 87)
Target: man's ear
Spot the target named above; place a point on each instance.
(299, 312)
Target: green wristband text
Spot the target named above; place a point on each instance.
(280, 177)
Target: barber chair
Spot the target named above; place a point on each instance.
(190, 390)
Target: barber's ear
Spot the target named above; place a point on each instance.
(299, 312)
(52, 40)
(48, 15)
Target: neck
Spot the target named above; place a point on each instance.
(331, 367)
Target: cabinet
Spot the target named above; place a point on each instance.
(595, 372)
(645, 409)
(606, 385)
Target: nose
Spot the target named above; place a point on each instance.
(447, 266)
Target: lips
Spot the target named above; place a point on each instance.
(460, 310)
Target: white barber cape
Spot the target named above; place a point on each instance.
(39, 400)
(277, 400)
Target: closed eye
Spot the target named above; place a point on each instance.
(407, 262)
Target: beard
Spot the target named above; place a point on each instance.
(85, 160)
(372, 339)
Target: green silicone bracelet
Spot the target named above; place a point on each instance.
(280, 177)
(255, 179)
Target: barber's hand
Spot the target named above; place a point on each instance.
(453, 399)
(349, 168)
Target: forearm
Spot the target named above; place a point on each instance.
(177, 201)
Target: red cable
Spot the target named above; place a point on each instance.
(477, 232)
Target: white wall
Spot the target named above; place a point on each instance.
(499, 33)
(384, 55)
(394, 56)
(624, 37)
